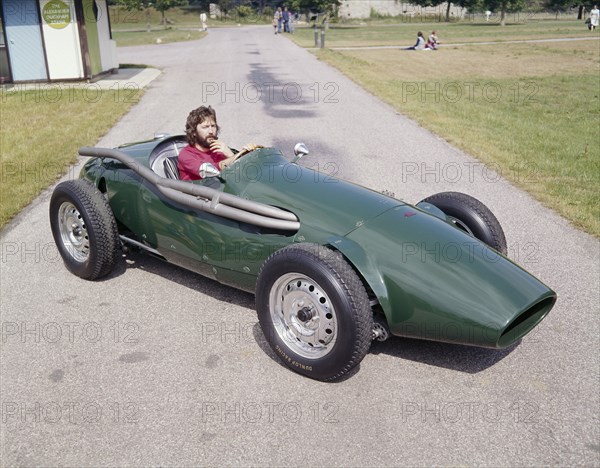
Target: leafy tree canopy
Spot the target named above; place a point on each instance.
(159, 5)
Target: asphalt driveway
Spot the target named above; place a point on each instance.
(157, 366)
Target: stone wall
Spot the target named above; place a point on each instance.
(362, 9)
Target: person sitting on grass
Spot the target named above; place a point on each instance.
(432, 41)
(420, 44)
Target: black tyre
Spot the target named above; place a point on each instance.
(84, 229)
(314, 311)
(472, 216)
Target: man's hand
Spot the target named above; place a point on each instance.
(220, 147)
(230, 160)
(227, 162)
(250, 147)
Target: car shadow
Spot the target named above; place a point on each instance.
(460, 358)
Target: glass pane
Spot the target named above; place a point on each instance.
(4, 69)
(1, 30)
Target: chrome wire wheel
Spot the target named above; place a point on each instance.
(73, 232)
(303, 315)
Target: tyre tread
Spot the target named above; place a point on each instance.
(495, 231)
(348, 279)
(103, 224)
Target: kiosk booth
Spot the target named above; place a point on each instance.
(50, 40)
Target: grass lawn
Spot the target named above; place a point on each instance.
(530, 111)
(405, 34)
(129, 28)
(155, 36)
(42, 130)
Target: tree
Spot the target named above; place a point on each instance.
(470, 4)
(504, 6)
(164, 5)
(144, 5)
(557, 5)
(314, 6)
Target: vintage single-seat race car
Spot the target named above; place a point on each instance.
(333, 265)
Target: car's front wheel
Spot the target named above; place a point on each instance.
(314, 311)
(84, 229)
(472, 216)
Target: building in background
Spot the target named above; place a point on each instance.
(50, 40)
(364, 8)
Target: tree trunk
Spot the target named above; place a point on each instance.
(448, 12)
(148, 19)
(163, 20)
(502, 17)
(580, 13)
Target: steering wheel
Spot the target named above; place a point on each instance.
(245, 150)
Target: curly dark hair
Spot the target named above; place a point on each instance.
(196, 117)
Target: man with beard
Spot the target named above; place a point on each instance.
(202, 131)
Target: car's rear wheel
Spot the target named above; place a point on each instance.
(314, 311)
(84, 229)
(472, 216)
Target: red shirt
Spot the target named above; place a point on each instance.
(190, 159)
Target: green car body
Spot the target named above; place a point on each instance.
(428, 278)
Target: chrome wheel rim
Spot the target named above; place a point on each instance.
(73, 232)
(303, 315)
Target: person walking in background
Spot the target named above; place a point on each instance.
(286, 20)
(594, 17)
(203, 21)
(279, 18)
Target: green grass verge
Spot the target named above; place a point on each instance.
(538, 131)
(404, 34)
(156, 36)
(42, 130)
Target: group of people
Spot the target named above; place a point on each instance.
(283, 19)
(431, 43)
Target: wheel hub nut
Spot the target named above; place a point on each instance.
(305, 314)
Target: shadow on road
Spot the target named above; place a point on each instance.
(459, 358)
(468, 359)
(281, 97)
